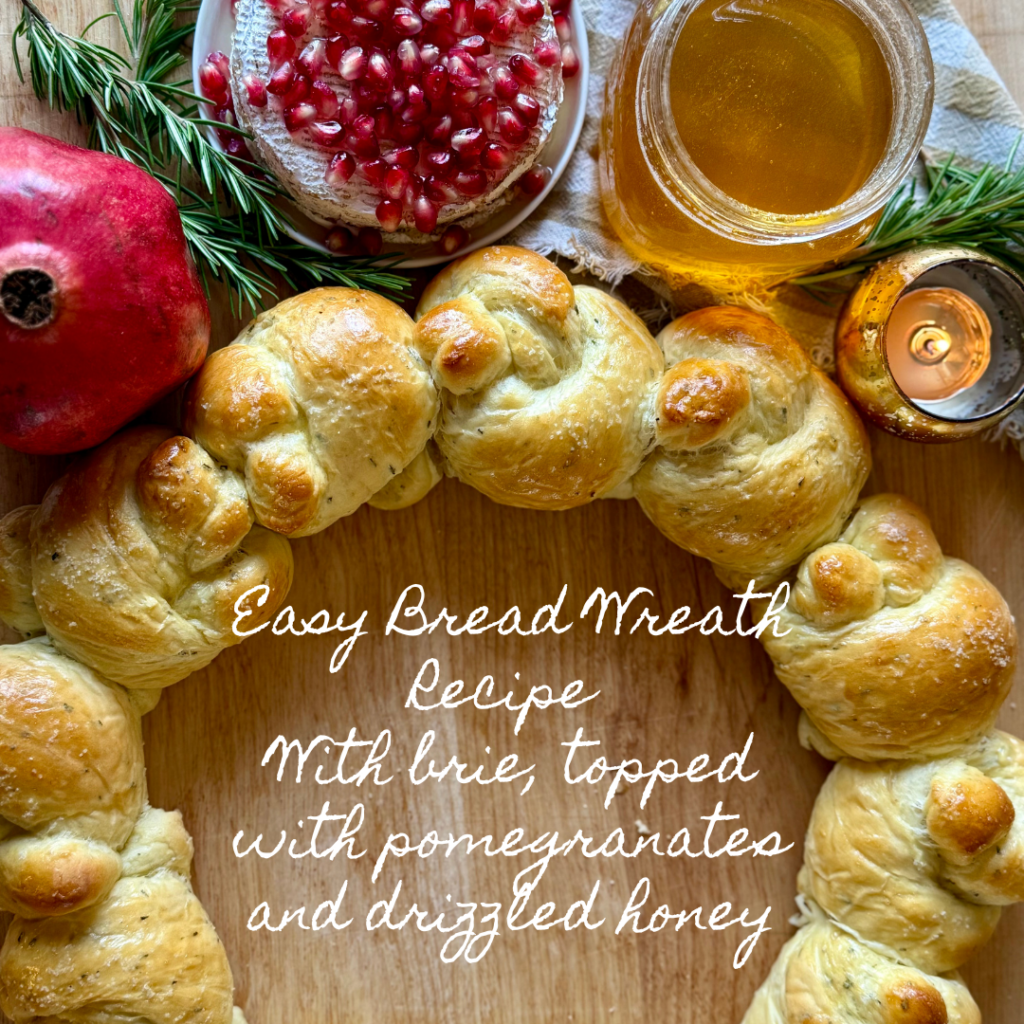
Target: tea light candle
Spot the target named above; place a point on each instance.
(930, 346)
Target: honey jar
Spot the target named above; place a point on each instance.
(745, 141)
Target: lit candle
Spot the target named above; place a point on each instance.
(938, 342)
(930, 345)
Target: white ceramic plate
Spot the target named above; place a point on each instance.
(214, 29)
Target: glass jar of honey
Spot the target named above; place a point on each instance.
(744, 141)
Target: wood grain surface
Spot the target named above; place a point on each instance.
(660, 697)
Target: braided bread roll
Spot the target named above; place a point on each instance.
(147, 954)
(320, 403)
(760, 456)
(546, 389)
(140, 553)
(72, 781)
(892, 649)
(920, 857)
(826, 976)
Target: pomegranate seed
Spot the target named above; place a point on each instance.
(407, 53)
(295, 21)
(255, 90)
(299, 91)
(441, 191)
(408, 134)
(277, 6)
(366, 29)
(319, 7)
(385, 123)
(462, 119)
(220, 61)
(339, 16)
(570, 61)
(487, 112)
(526, 69)
(235, 146)
(340, 169)
(560, 6)
(547, 52)
(439, 162)
(563, 26)
(280, 46)
(475, 46)
(462, 17)
(424, 215)
(336, 47)
(281, 80)
(328, 134)
(379, 74)
(437, 12)
(311, 60)
(416, 95)
(462, 71)
(496, 158)
(438, 129)
(340, 241)
(395, 182)
(348, 111)
(373, 170)
(363, 126)
(352, 66)
(296, 118)
(403, 156)
(465, 99)
(324, 98)
(529, 12)
(471, 183)
(469, 142)
(453, 240)
(527, 108)
(430, 55)
(506, 85)
(389, 213)
(397, 99)
(377, 8)
(212, 82)
(370, 241)
(405, 22)
(485, 14)
(364, 148)
(435, 82)
(533, 181)
(503, 28)
(510, 127)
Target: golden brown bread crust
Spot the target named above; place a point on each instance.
(147, 953)
(319, 403)
(17, 608)
(760, 457)
(893, 649)
(72, 781)
(140, 553)
(919, 857)
(547, 390)
(826, 976)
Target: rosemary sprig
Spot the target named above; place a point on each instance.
(983, 209)
(234, 229)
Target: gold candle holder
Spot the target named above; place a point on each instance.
(930, 345)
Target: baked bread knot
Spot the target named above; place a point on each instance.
(72, 781)
(147, 953)
(142, 551)
(760, 457)
(892, 649)
(320, 403)
(17, 608)
(920, 857)
(546, 390)
(826, 976)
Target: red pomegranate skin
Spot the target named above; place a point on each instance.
(125, 321)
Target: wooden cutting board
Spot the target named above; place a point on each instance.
(660, 697)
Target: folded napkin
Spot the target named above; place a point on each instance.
(974, 117)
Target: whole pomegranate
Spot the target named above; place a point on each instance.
(101, 309)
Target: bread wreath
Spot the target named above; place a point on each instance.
(296, 413)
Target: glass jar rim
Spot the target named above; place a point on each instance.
(904, 45)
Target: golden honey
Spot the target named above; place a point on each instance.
(746, 140)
